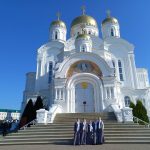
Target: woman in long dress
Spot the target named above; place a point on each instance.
(77, 128)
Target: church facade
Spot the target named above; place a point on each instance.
(86, 72)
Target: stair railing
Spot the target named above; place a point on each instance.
(33, 122)
(137, 120)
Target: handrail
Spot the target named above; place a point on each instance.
(136, 119)
(33, 122)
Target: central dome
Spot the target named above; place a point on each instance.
(84, 19)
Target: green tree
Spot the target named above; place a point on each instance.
(132, 105)
(28, 114)
(39, 103)
(141, 112)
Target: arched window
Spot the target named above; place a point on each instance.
(127, 101)
(83, 48)
(112, 32)
(89, 32)
(56, 35)
(114, 67)
(120, 70)
(50, 72)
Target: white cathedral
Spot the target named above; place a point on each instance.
(86, 72)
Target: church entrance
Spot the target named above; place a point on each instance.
(84, 97)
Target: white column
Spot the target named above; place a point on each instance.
(56, 94)
(110, 92)
(133, 70)
(106, 93)
(68, 99)
(71, 100)
(38, 68)
(59, 93)
(63, 94)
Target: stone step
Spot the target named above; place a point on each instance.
(71, 129)
(68, 123)
(77, 114)
(71, 132)
(130, 141)
(81, 117)
(71, 136)
(52, 141)
(71, 126)
(86, 115)
(107, 139)
(72, 121)
(88, 119)
(34, 139)
(68, 142)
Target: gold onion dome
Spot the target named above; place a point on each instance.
(58, 23)
(84, 19)
(83, 36)
(110, 20)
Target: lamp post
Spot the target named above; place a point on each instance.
(84, 105)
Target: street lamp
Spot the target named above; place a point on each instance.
(84, 105)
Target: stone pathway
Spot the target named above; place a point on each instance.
(70, 147)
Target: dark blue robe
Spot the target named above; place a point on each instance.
(77, 140)
(94, 133)
(99, 133)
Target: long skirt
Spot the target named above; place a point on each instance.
(100, 136)
(83, 138)
(76, 138)
(90, 138)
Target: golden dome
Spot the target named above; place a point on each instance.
(58, 23)
(110, 20)
(84, 19)
(83, 36)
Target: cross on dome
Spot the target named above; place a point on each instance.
(58, 15)
(108, 12)
(83, 9)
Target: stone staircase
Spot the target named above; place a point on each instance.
(61, 131)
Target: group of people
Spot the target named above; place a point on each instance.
(88, 133)
(9, 126)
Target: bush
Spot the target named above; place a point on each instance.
(132, 105)
(38, 104)
(140, 111)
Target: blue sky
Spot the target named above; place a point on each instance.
(24, 27)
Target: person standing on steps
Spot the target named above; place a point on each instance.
(77, 129)
(100, 131)
(90, 134)
(94, 125)
(84, 128)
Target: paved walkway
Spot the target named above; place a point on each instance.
(70, 147)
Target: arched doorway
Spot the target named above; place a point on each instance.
(84, 97)
(93, 93)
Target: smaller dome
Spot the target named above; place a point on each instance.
(83, 36)
(110, 20)
(58, 23)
